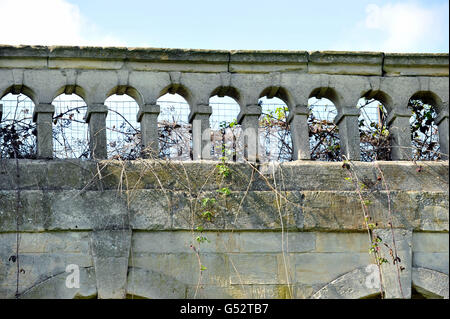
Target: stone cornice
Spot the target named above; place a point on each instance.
(239, 61)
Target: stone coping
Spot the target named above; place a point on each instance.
(388, 64)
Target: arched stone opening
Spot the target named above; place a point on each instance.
(323, 132)
(373, 130)
(425, 134)
(70, 130)
(274, 130)
(122, 129)
(225, 132)
(17, 129)
(174, 130)
(20, 89)
(355, 284)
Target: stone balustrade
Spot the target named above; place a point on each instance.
(42, 73)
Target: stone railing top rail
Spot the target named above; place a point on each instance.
(239, 61)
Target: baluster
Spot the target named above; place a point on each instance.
(43, 117)
(96, 118)
(298, 121)
(201, 132)
(347, 121)
(442, 123)
(400, 133)
(148, 118)
(249, 120)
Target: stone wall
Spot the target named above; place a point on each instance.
(295, 230)
(292, 230)
(42, 73)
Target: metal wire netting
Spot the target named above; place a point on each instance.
(17, 130)
(70, 131)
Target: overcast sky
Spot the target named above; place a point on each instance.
(362, 25)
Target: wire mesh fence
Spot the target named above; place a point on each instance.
(70, 130)
(71, 140)
(374, 134)
(424, 132)
(175, 132)
(122, 129)
(274, 133)
(225, 132)
(17, 130)
(323, 133)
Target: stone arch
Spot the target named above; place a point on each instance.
(351, 285)
(279, 92)
(328, 93)
(274, 128)
(229, 91)
(430, 282)
(429, 97)
(381, 96)
(21, 89)
(432, 141)
(144, 283)
(174, 130)
(122, 128)
(70, 130)
(128, 90)
(374, 107)
(18, 104)
(223, 125)
(54, 287)
(324, 139)
(183, 91)
(72, 89)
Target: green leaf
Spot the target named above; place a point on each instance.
(367, 202)
(224, 191)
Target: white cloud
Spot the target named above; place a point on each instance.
(49, 22)
(407, 27)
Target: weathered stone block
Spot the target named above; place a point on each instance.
(150, 209)
(110, 252)
(55, 287)
(149, 284)
(430, 242)
(316, 268)
(238, 212)
(396, 243)
(181, 241)
(342, 242)
(274, 242)
(430, 282)
(434, 261)
(186, 267)
(253, 269)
